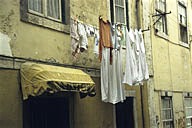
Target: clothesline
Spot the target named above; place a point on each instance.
(79, 21)
(113, 23)
(122, 24)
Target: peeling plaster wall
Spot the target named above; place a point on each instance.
(5, 48)
(32, 41)
(10, 100)
(172, 61)
(37, 42)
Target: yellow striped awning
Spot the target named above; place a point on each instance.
(39, 78)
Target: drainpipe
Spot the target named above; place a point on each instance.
(142, 106)
(137, 11)
(141, 86)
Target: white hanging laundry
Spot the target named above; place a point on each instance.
(139, 57)
(74, 29)
(136, 67)
(116, 88)
(128, 76)
(5, 48)
(123, 48)
(96, 42)
(105, 74)
(112, 89)
(89, 30)
(133, 50)
(83, 37)
(113, 35)
(143, 57)
(112, 73)
(74, 37)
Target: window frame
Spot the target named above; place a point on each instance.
(113, 13)
(45, 9)
(60, 12)
(35, 12)
(186, 44)
(39, 19)
(171, 120)
(158, 10)
(185, 108)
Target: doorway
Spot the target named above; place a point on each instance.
(44, 112)
(125, 113)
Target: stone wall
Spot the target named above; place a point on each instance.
(10, 99)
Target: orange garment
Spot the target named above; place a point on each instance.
(105, 37)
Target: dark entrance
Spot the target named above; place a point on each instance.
(125, 114)
(43, 112)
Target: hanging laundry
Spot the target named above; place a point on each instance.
(105, 37)
(134, 58)
(74, 37)
(129, 72)
(80, 33)
(113, 34)
(116, 89)
(96, 42)
(105, 74)
(83, 37)
(89, 30)
(136, 67)
(123, 61)
(112, 89)
(123, 47)
(144, 65)
(105, 56)
(138, 57)
(118, 36)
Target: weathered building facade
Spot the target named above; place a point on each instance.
(170, 88)
(30, 33)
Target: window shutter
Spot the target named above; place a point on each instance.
(63, 11)
(112, 11)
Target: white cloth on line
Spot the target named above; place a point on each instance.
(74, 37)
(136, 67)
(105, 74)
(89, 30)
(83, 37)
(112, 89)
(138, 57)
(116, 88)
(96, 42)
(144, 65)
(128, 76)
(5, 48)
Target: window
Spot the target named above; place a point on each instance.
(167, 112)
(161, 25)
(119, 11)
(35, 5)
(47, 8)
(54, 14)
(182, 15)
(188, 111)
